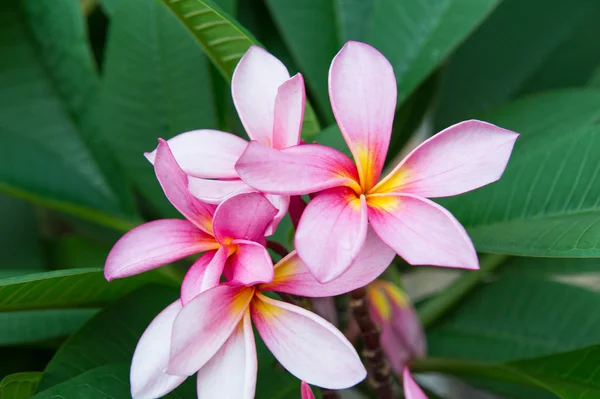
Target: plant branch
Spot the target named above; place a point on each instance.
(377, 365)
(437, 306)
(277, 248)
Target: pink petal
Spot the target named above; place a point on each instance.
(148, 377)
(411, 389)
(206, 153)
(325, 307)
(174, 182)
(362, 89)
(460, 158)
(298, 170)
(250, 264)
(216, 191)
(289, 113)
(254, 86)
(204, 274)
(309, 347)
(203, 326)
(306, 391)
(293, 276)
(331, 232)
(421, 231)
(154, 244)
(281, 203)
(231, 373)
(245, 217)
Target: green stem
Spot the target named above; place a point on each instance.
(462, 368)
(437, 306)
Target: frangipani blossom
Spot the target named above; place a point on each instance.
(270, 104)
(305, 391)
(331, 233)
(231, 235)
(212, 334)
(411, 388)
(402, 337)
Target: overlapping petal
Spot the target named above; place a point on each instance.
(216, 191)
(332, 232)
(289, 113)
(254, 87)
(362, 90)
(231, 373)
(206, 153)
(461, 158)
(174, 182)
(309, 347)
(154, 244)
(293, 276)
(244, 216)
(204, 274)
(250, 263)
(411, 389)
(148, 377)
(298, 170)
(282, 203)
(421, 231)
(203, 326)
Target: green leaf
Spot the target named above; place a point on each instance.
(48, 74)
(224, 41)
(520, 50)
(170, 92)
(40, 325)
(416, 36)
(546, 203)
(516, 318)
(353, 18)
(64, 288)
(19, 385)
(20, 247)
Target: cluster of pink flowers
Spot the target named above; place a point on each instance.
(233, 194)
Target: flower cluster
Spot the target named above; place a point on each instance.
(233, 194)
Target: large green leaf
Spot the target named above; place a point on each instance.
(224, 41)
(19, 385)
(40, 325)
(64, 289)
(416, 36)
(546, 203)
(520, 50)
(20, 247)
(516, 318)
(48, 83)
(169, 93)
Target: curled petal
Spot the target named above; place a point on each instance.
(148, 377)
(289, 112)
(331, 232)
(231, 373)
(282, 203)
(203, 326)
(204, 274)
(206, 153)
(244, 216)
(306, 391)
(216, 191)
(298, 170)
(411, 389)
(174, 182)
(254, 86)
(460, 158)
(421, 231)
(309, 347)
(154, 244)
(293, 276)
(250, 263)
(362, 88)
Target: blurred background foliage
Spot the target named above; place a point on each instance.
(88, 86)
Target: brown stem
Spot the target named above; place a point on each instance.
(278, 248)
(329, 394)
(377, 365)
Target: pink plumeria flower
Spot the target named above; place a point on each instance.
(231, 235)
(331, 233)
(271, 107)
(411, 388)
(212, 334)
(305, 391)
(402, 337)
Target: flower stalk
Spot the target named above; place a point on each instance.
(377, 365)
